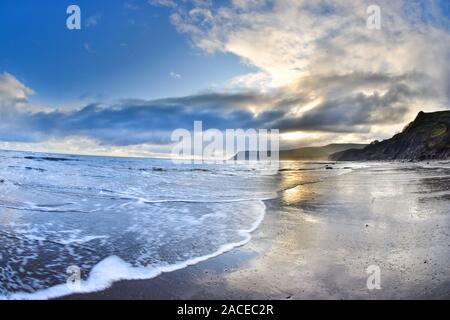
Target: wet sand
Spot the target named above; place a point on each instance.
(318, 239)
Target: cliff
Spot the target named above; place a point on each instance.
(426, 138)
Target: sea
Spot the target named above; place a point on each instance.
(76, 224)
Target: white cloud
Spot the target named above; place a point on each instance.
(164, 3)
(130, 5)
(292, 42)
(14, 95)
(92, 21)
(88, 47)
(175, 75)
(296, 38)
(12, 89)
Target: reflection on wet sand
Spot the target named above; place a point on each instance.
(319, 238)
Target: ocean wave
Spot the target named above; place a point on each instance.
(113, 269)
(48, 158)
(34, 207)
(118, 223)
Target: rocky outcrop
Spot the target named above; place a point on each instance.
(426, 138)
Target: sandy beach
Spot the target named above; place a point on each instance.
(318, 239)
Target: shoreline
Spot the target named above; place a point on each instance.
(185, 283)
(316, 242)
(57, 292)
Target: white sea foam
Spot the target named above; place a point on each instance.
(113, 269)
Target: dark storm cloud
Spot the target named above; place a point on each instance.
(130, 122)
(136, 121)
(346, 114)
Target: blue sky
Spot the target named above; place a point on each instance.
(130, 52)
(139, 69)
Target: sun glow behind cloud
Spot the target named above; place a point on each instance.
(297, 135)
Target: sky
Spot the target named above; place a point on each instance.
(139, 69)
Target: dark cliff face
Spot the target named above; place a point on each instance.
(426, 138)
